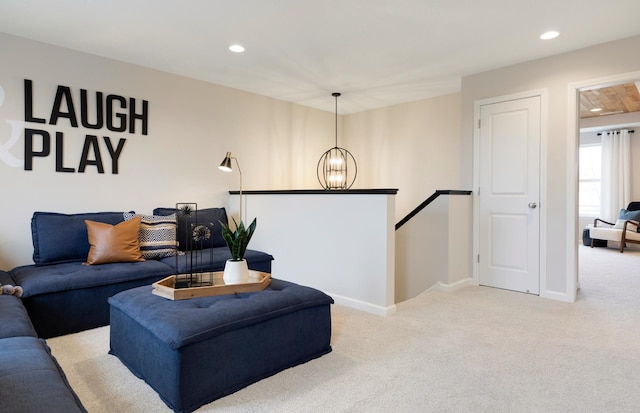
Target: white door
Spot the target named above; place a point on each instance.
(509, 194)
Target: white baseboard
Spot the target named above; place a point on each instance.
(558, 296)
(440, 286)
(448, 288)
(385, 311)
(362, 305)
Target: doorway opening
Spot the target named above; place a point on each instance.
(585, 130)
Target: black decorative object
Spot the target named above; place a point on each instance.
(193, 254)
(336, 164)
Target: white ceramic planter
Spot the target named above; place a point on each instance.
(236, 272)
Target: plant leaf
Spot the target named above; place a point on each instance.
(238, 240)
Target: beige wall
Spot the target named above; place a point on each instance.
(414, 147)
(554, 74)
(191, 126)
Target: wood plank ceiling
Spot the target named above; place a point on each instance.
(611, 100)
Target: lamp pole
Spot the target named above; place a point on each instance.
(240, 172)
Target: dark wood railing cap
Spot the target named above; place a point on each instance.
(374, 191)
(428, 201)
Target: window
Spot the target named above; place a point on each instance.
(589, 187)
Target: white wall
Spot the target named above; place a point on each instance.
(342, 244)
(554, 74)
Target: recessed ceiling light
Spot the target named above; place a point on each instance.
(552, 34)
(236, 48)
(596, 109)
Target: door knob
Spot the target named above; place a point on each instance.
(532, 205)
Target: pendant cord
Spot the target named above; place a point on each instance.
(336, 94)
(336, 121)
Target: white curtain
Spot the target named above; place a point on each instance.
(615, 189)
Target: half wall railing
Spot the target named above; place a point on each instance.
(429, 200)
(433, 246)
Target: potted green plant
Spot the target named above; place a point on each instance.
(236, 269)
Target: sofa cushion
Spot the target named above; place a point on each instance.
(59, 238)
(113, 243)
(15, 320)
(157, 235)
(73, 275)
(31, 380)
(6, 278)
(612, 234)
(209, 217)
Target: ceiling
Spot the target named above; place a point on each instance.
(376, 52)
(610, 100)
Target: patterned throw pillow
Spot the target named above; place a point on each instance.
(157, 235)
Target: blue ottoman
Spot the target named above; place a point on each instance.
(195, 351)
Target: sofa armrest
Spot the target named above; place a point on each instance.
(595, 222)
(634, 225)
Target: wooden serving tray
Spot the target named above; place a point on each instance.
(258, 281)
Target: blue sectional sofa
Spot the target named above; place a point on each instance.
(63, 295)
(31, 380)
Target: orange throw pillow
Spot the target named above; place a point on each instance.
(113, 243)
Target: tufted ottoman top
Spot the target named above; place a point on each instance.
(182, 322)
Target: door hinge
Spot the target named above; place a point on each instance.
(479, 123)
(478, 258)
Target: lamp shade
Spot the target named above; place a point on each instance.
(337, 169)
(226, 163)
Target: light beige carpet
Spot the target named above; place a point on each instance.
(475, 350)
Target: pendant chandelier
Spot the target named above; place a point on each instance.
(337, 168)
